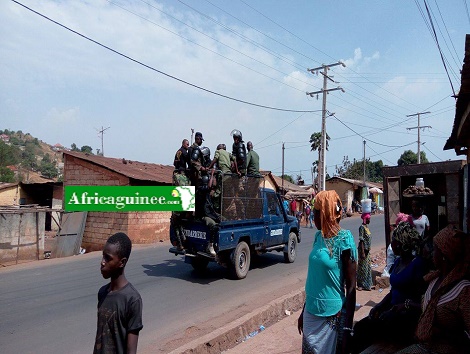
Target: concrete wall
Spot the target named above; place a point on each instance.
(21, 236)
(141, 227)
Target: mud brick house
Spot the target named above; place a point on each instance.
(92, 170)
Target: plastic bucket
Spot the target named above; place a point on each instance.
(366, 205)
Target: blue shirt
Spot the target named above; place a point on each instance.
(409, 282)
(324, 288)
(285, 203)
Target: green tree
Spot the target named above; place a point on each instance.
(288, 178)
(409, 157)
(9, 155)
(86, 148)
(6, 175)
(74, 147)
(47, 168)
(355, 170)
(316, 143)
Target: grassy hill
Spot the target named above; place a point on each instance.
(23, 156)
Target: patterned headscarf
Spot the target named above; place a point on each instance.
(329, 205)
(454, 245)
(408, 236)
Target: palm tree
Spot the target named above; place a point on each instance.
(316, 143)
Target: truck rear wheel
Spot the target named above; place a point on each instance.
(289, 256)
(240, 260)
(199, 263)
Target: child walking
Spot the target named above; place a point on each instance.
(119, 303)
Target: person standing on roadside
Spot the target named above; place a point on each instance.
(330, 289)
(364, 269)
(119, 303)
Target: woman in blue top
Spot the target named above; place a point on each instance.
(394, 319)
(330, 289)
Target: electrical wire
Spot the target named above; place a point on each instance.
(159, 71)
(432, 153)
(215, 40)
(374, 142)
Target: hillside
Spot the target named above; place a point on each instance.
(24, 158)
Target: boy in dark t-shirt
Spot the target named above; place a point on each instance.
(119, 303)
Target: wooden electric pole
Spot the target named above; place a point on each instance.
(324, 91)
(419, 127)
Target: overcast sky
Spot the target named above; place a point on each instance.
(198, 64)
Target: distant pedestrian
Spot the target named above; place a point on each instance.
(299, 215)
(330, 289)
(307, 215)
(119, 303)
(364, 269)
(293, 207)
(285, 203)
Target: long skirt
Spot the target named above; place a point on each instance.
(364, 273)
(320, 334)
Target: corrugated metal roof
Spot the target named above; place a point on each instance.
(142, 171)
(458, 139)
(358, 182)
(7, 185)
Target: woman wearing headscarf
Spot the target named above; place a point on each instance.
(393, 319)
(364, 270)
(326, 319)
(444, 326)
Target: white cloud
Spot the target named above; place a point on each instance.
(67, 116)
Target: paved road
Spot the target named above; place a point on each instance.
(50, 306)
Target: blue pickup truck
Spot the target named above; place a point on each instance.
(252, 221)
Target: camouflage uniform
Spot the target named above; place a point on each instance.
(179, 179)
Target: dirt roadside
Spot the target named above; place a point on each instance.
(273, 328)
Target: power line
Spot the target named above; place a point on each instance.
(466, 10)
(159, 71)
(215, 40)
(432, 152)
(294, 35)
(397, 146)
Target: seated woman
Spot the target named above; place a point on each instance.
(393, 319)
(444, 326)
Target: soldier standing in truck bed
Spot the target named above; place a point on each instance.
(196, 160)
(182, 157)
(239, 152)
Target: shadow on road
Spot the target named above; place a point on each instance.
(178, 269)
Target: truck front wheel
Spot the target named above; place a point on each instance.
(291, 253)
(240, 260)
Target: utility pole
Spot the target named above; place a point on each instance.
(102, 138)
(364, 163)
(324, 91)
(192, 133)
(282, 176)
(419, 127)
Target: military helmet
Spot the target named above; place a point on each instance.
(236, 133)
(205, 151)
